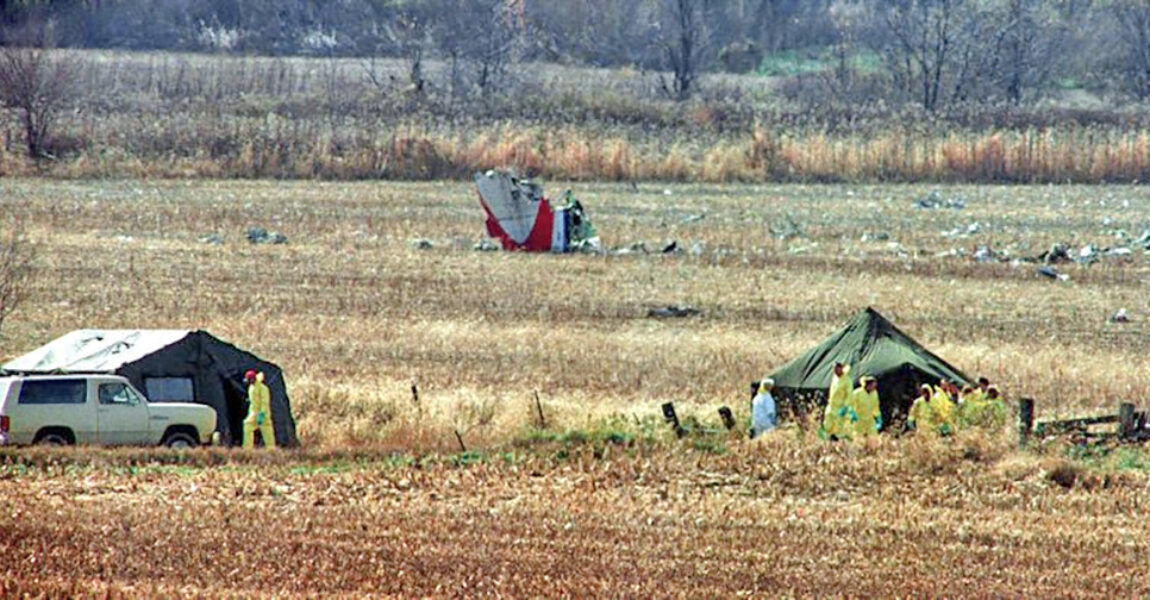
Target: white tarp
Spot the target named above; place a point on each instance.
(94, 350)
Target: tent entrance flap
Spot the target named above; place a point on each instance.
(237, 403)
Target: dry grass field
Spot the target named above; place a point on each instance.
(605, 502)
(162, 115)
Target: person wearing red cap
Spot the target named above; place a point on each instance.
(259, 411)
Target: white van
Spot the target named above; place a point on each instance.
(96, 409)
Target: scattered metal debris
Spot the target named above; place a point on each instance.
(960, 231)
(1058, 253)
(259, 235)
(790, 229)
(935, 200)
(672, 311)
(1087, 255)
(1052, 273)
(635, 248)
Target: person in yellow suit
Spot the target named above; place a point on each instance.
(922, 417)
(971, 408)
(943, 407)
(994, 412)
(259, 411)
(837, 396)
(864, 418)
(983, 388)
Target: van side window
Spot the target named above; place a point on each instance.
(116, 393)
(54, 391)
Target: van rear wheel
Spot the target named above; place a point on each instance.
(52, 438)
(180, 441)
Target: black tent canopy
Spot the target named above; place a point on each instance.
(170, 366)
(873, 346)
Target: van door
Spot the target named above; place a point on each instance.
(122, 414)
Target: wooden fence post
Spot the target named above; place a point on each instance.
(1125, 420)
(673, 419)
(539, 411)
(727, 417)
(1025, 420)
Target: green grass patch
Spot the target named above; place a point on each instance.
(791, 63)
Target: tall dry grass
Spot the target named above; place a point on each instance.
(176, 116)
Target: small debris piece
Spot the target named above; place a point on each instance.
(879, 236)
(672, 311)
(259, 235)
(1058, 253)
(935, 200)
(1052, 273)
(1087, 255)
(791, 229)
(636, 248)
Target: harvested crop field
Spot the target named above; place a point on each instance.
(379, 287)
(779, 518)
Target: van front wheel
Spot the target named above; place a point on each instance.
(180, 441)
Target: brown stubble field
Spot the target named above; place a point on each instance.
(355, 313)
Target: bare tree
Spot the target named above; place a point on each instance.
(404, 30)
(847, 19)
(1024, 48)
(929, 48)
(17, 254)
(36, 82)
(683, 41)
(478, 38)
(1133, 23)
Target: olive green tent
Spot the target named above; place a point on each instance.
(873, 346)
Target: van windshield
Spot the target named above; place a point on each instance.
(119, 393)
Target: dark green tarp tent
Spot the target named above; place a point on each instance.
(170, 365)
(872, 346)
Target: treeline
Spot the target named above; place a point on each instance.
(690, 90)
(934, 53)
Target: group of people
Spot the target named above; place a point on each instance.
(945, 409)
(851, 413)
(854, 413)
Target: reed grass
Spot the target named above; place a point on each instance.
(178, 116)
